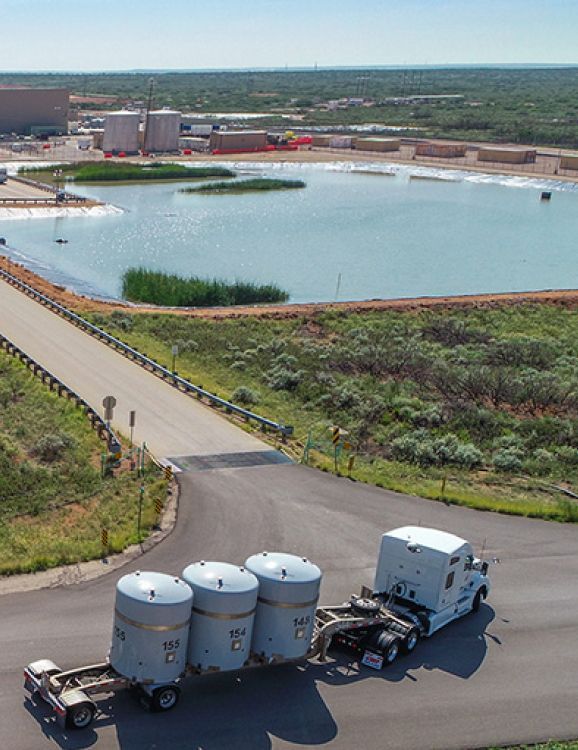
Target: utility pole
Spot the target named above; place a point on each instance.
(148, 109)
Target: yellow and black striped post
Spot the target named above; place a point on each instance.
(158, 506)
(168, 471)
(104, 539)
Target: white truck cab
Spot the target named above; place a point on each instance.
(430, 573)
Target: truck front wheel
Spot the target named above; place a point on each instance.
(165, 698)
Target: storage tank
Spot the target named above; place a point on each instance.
(121, 132)
(151, 627)
(162, 131)
(223, 614)
(288, 594)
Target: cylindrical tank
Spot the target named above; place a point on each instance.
(163, 128)
(151, 627)
(288, 594)
(121, 132)
(223, 614)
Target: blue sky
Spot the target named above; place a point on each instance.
(127, 34)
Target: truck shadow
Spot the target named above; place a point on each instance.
(242, 710)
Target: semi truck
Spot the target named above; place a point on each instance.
(264, 613)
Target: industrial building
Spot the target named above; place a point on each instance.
(569, 161)
(377, 144)
(162, 130)
(321, 139)
(121, 132)
(441, 150)
(224, 141)
(34, 111)
(508, 155)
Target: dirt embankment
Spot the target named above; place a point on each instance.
(564, 297)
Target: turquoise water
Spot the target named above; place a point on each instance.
(384, 236)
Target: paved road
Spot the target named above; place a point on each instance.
(509, 673)
(171, 423)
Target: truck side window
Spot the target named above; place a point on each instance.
(469, 562)
(454, 560)
(450, 580)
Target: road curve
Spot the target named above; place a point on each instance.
(170, 422)
(508, 674)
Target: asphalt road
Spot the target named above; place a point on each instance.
(507, 674)
(171, 423)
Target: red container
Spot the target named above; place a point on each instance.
(121, 154)
(46, 145)
(108, 156)
(187, 151)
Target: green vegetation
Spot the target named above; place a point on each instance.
(157, 288)
(520, 105)
(53, 500)
(125, 172)
(552, 745)
(255, 185)
(487, 399)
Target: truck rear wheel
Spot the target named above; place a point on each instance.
(80, 716)
(385, 643)
(410, 641)
(165, 698)
(391, 651)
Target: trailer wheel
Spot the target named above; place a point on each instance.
(410, 641)
(165, 698)
(80, 716)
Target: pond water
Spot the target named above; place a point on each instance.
(348, 235)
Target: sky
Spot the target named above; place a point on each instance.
(73, 35)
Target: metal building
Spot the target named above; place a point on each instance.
(162, 130)
(377, 144)
(507, 155)
(569, 161)
(224, 141)
(34, 111)
(121, 132)
(441, 150)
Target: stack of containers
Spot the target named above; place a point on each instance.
(225, 597)
(288, 595)
(151, 627)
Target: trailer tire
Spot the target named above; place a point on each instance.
(410, 641)
(80, 716)
(165, 698)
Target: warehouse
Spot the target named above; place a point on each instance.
(441, 150)
(230, 141)
(508, 155)
(34, 111)
(322, 139)
(569, 161)
(377, 144)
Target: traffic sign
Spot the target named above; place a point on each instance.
(108, 402)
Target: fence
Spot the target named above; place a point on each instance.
(164, 373)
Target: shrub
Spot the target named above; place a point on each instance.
(468, 456)
(51, 447)
(245, 395)
(281, 378)
(508, 460)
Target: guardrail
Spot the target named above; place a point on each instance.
(164, 373)
(55, 384)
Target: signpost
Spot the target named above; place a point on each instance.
(131, 424)
(336, 434)
(175, 351)
(108, 402)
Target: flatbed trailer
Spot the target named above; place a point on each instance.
(361, 622)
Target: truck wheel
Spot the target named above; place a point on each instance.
(410, 641)
(391, 651)
(80, 716)
(477, 601)
(165, 698)
(364, 607)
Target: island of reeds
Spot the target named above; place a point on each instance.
(257, 185)
(155, 287)
(123, 172)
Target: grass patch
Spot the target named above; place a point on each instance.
(552, 745)
(155, 287)
(126, 172)
(487, 399)
(256, 185)
(53, 500)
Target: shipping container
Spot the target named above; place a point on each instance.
(507, 155)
